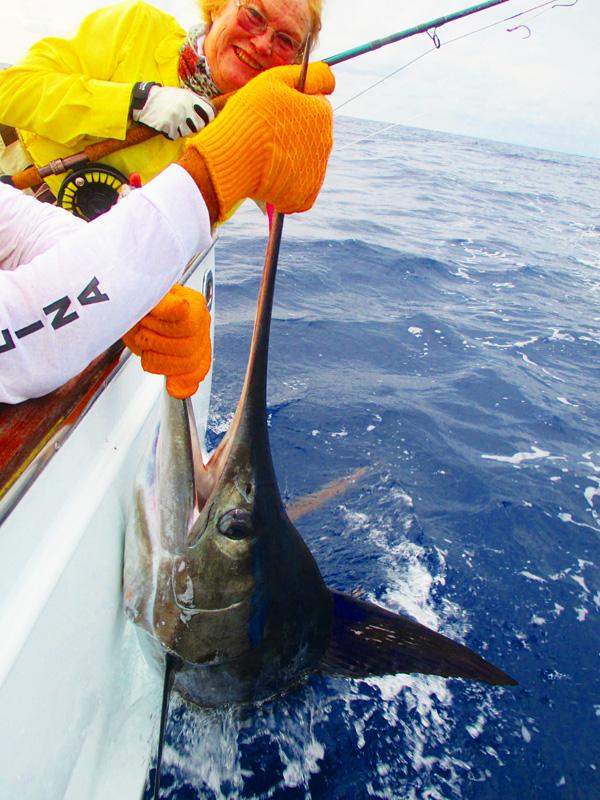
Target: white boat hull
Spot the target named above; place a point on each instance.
(78, 702)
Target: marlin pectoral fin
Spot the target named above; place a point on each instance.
(367, 640)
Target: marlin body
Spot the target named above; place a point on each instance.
(219, 579)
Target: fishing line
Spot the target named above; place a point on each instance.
(391, 75)
(451, 41)
(437, 46)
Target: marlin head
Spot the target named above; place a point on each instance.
(228, 584)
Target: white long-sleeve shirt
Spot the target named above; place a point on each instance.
(69, 289)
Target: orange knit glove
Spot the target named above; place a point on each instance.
(174, 340)
(270, 142)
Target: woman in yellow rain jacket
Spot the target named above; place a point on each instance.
(133, 63)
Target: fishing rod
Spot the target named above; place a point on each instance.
(33, 176)
(424, 27)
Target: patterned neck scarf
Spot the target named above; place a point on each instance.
(193, 68)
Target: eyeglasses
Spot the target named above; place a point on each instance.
(253, 21)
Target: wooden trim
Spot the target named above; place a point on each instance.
(26, 427)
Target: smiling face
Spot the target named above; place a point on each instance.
(235, 55)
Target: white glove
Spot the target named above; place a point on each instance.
(174, 112)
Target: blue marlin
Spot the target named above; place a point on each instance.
(217, 575)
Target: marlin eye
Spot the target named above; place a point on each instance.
(246, 489)
(236, 524)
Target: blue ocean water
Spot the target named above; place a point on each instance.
(436, 319)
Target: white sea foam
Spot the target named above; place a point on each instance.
(205, 748)
(463, 273)
(207, 745)
(581, 581)
(511, 345)
(531, 363)
(341, 433)
(531, 576)
(476, 729)
(565, 517)
(566, 402)
(590, 492)
(557, 335)
(518, 458)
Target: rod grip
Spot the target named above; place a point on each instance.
(26, 179)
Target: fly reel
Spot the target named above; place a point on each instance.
(90, 190)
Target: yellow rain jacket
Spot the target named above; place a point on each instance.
(69, 93)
